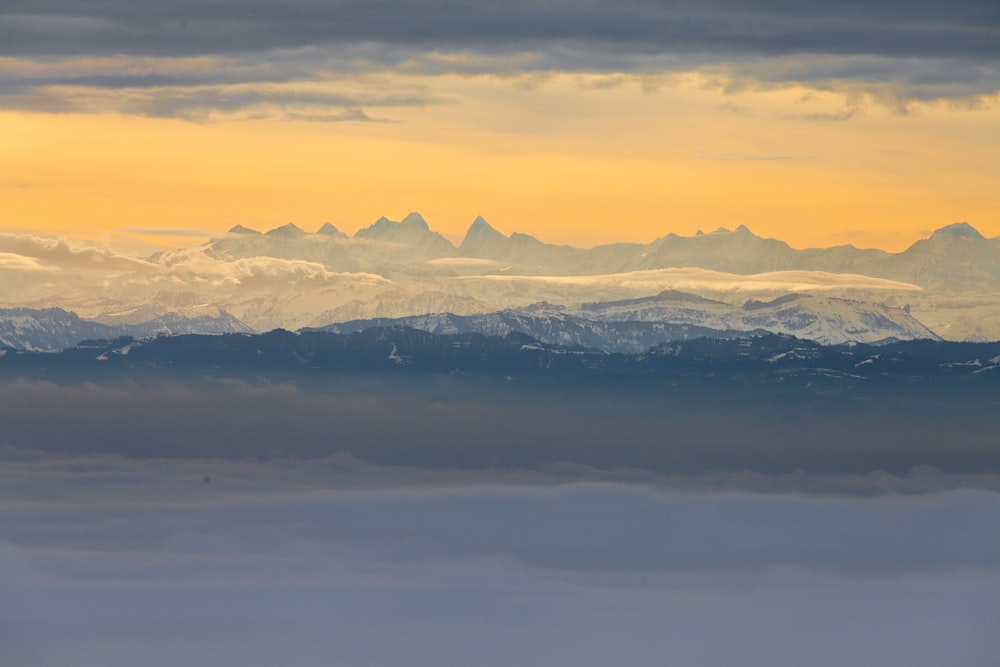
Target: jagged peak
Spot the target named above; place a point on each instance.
(327, 229)
(291, 229)
(481, 228)
(377, 228)
(414, 219)
(480, 233)
(480, 224)
(240, 229)
(958, 230)
(742, 230)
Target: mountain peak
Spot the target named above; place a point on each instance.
(479, 237)
(240, 229)
(289, 230)
(725, 231)
(480, 224)
(329, 230)
(414, 219)
(956, 231)
(378, 229)
(482, 229)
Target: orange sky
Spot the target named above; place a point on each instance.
(570, 159)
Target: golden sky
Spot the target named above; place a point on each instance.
(571, 154)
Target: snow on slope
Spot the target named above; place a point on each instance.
(291, 278)
(827, 320)
(56, 329)
(637, 324)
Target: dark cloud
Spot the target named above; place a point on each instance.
(204, 103)
(896, 28)
(895, 52)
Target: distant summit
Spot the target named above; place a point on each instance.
(240, 229)
(288, 231)
(742, 229)
(329, 230)
(479, 238)
(415, 220)
(958, 230)
(411, 233)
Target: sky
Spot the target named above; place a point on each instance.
(819, 123)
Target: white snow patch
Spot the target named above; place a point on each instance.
(396, 357)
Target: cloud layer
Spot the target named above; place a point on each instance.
(220, 563)
(204, 62)
(225, 523)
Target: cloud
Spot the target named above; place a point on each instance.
(184, 61)
(464, 262)
(704, 279)
(189, 265)
(751, 158)
(15, 262)
(56, 254)
(219, 522)
(151, 564)
(887, 28)
(208, 103)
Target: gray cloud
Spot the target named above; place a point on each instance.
(893, 52)
(206, 103)
(894, 28)
(221, 522)
(249, 569)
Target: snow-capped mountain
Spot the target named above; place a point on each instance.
(954, 258)
(412, 231)
(552, 329)
(288, 277)
(47, 329)
(826, 320)
(56, 329)
(635, 325)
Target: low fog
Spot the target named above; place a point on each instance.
(109, 560)
(468, 424)
(216, 522)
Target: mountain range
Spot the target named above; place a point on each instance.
(627, 326)
(956, 257)
(947, 285)
(54, 329)
(774, 361)
(635, 325)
